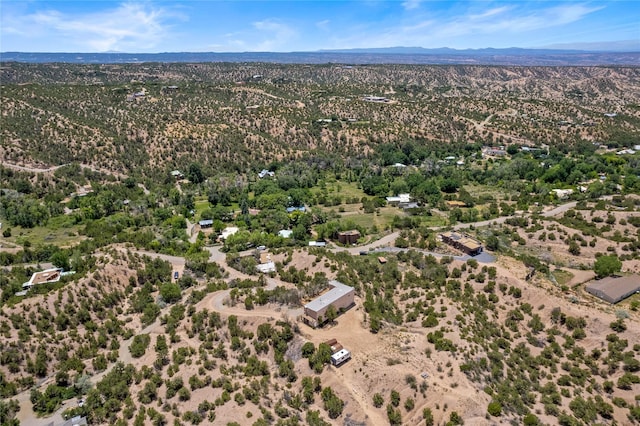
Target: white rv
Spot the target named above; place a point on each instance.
(340, 357)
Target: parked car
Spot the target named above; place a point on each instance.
(175, 275)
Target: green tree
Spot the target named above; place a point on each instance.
(495, 409)
(8, 410)
(493, 243)
(139, 345)
(574, 248)
(170, 292)
(332, 403)
(331, 314)
(308, 349)
(395, 398)
(605, 266)
(455, 418)
(194, 173)
(60, 259)
(394, 416)
(427, 415)
(378, 400)
(531, 420)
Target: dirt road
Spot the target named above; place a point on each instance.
(54, 168)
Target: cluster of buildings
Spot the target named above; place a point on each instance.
(491, 151)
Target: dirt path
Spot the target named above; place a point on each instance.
(32, 169)
(54, 168)
(299, 104)
(44, 265)
(579, 276)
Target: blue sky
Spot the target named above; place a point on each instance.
(284, 26)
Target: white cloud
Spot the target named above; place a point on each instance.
(498, 20)
(273, 35)
(510, 23)
(323, 25)
(127, 27)
(411, 4)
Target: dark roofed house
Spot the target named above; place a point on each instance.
(349, 237)
(614, 289)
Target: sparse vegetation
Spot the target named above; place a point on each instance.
(165, 311)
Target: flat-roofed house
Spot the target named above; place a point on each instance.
(340, 296)
(462, 242)
(400, 198)
(47, 276)
(614, 289)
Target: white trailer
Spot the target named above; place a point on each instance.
(340, 357)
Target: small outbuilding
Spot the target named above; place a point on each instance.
(317, 244)
(614, 289)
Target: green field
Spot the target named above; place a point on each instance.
(498, 193)
(60, 231)
(562, 277)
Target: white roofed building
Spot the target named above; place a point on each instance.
(340, 296)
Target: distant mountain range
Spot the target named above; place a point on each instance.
(390, 55)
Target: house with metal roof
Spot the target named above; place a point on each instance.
(206, 223)
(614, 289)
(340, 296)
